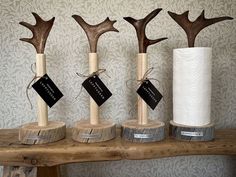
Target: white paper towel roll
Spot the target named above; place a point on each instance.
(192, 86)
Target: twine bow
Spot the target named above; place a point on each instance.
(145, 76)
(98, 72)
(140, 81)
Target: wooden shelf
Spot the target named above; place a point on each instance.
(68, 151)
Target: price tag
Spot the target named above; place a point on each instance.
(148, 92)
(47, 90)
(97, 89)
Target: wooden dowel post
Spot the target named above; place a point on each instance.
(142, 63)
(94, 111)
(42, 107)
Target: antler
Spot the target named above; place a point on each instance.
(140, 26)
(193, 28)
(93, 32)
(40, 32)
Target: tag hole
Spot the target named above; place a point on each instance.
(93, 76)
(146, 82)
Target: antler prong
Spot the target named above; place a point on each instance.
(40, 32)
(150, 16)
(151, 42)
(27, 25)
(140, 26)
(93, 32)
(193, 28)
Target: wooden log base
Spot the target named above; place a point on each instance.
(192, 133)
(151, 132)
(17, 171)
(85, 132)
(33, 134)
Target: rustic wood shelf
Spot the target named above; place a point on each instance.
(13, 153)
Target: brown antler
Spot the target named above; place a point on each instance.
(193, 28)
(140, 26)
(93, 32)
(40, 32)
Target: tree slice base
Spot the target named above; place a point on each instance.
(192, 133)
(150, 132)
(33, 134)
(16, 171)
(85, 132)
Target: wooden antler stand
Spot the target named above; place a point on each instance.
(143, 130)
(43, 131)
(192, 83)
(94, 130)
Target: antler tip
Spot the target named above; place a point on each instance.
(116, 30)
(25, 40)
(113, 21)
(36, 15)
(158, 10)
(129, 19)
(229, 18)
(74, 16)
(171, 13)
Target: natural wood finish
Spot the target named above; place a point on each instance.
(42, 106)
(69, 151)
(140, 26)
(86, 133)
(94, 109)
(53, 171)
(93, 32)
(193, 28)
(40, 32)
(16, 171)
(150, 132)
(33, 134)
(192, 133)
(142, 64)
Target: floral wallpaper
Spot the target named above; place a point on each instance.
(67, 53)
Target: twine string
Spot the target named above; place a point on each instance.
(140, 82)
(98, 72)
(29, 86)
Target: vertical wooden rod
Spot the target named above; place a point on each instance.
(42, 106)
(93, 67)
(142, 64)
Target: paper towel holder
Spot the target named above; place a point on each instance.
(189, 132)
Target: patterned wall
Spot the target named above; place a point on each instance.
(67, 49)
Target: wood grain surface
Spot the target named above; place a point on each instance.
(85, 132)
(192, 133)
(31, 133)
(68, 151)
(151, 132)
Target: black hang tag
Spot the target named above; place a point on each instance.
(47, 90)
(97, 89)
(148, 92)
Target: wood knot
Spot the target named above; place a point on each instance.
(34, 161)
